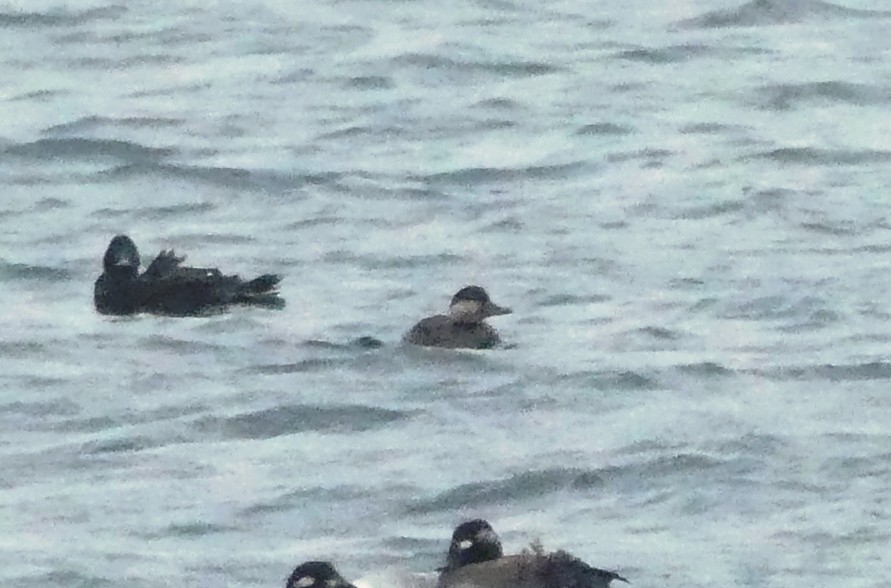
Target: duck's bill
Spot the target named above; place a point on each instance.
(493, 309)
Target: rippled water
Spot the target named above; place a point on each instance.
(684, 203)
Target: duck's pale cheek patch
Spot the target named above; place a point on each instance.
(466, 544)
(304, 582)
(465, 308)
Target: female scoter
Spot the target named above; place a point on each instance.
(475, 561)
(168, 288)
(316, 574)
(464, 326)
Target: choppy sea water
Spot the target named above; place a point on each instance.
(684, 202)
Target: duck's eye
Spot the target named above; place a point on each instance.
(303, 582)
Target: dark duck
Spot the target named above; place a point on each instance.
(464, 327)
(316, 574)
(169, 288)
(475, 560)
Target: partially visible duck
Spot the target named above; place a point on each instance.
(484, 567)
(316, 574)
(473, 541)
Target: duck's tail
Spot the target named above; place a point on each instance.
(261, 291)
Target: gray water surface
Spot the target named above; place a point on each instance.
(684, 202)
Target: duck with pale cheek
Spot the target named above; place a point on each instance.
(473, 542)
(464, 327)
(316, 574)
(475, 560)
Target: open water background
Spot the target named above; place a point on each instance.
(685, 203)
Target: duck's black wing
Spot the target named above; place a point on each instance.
(173, 289)
(165, 264)
(567, 571)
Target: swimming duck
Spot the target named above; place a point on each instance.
(167, 287)
(476, 544)
(464, 326)
(316, 574)
(473, 541)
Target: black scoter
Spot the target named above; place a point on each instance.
(169, 288)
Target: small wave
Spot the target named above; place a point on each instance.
(45, 204)
(370, 83)
(21, 349)
(501, 104)
(38, 95)
(295, 418)
(652, 155)
(21, 271)
(751, 444)
(92, 123)
(873, 370)
(614, 380)
(121, 445)
(674, 54)
(181, 346)
(505, 68)
(516, 488)
(817, 156)
(175, 211)
(706, 368)
(195, 529)
(777, 307)
(234, 178)
(709, 128)
(710, 210)
(86, 425)
(299, 498)
(838, 228)
(123, 63)
(59, 18)
(83, 148)
(785, 96)
(297, 367)
(395, 262)
(61, 407)
(777, 12)
(487, 175)
(65, 577)
(660, 333)
(603, 128)
(571, 300)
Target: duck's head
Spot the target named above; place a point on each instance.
(472, 304)
(316, 574)
(121, 256)
(474, 541)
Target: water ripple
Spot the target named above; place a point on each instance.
(523, 486)
(777, 12)
(296, 418)
(59, 18)
(83, 148)
(786, 96)
(10, 271)
(821, 156)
